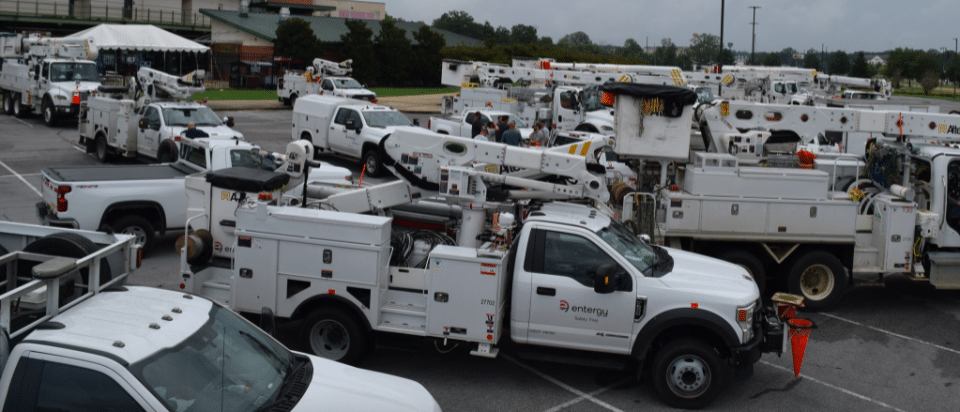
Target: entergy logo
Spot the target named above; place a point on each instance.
(564, 306)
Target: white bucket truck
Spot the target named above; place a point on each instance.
(450, 253)
(324, 77)
(46, 75)
(149, 117)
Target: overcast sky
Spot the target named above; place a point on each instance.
(867, 25)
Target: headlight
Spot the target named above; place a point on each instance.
(605, 127)
(744, 317)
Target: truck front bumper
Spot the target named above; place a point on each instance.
(49, 219)
(768, 337)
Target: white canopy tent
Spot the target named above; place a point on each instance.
(138, 40)
(141, 37)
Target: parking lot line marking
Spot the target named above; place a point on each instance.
(594, 393)
(562, 385)
(21, 179)
(893, 333)
(21, 121)
(832, 386)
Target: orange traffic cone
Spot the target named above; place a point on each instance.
(76, 98)
(799, 333)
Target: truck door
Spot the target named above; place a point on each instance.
(341, 139)
(567, 108)
(148, 139)
(53, 383)
(564, 308)
(327, 87)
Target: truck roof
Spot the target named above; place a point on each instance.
(571, 214)
(128, 324)
(177, 104)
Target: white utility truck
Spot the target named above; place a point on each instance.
(46, 75)
(149, 117)
(462, 125)
(141, 200)
(816, 231)
(346, 127)
(324, 77)
(70, 342)
(450, 253)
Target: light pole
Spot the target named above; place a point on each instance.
(753, 42)
(720, 57)
(955, 56)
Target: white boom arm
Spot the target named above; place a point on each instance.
(329, 68)
(462, 74)
(431, 164)
(155, 83)
(80, 48)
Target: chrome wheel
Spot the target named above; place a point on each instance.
(816, 282)
(688, 376)
(329, 339)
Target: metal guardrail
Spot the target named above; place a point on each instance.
(102, 12)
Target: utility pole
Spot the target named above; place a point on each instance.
(955, 57)
(753, 43)
(720, 57)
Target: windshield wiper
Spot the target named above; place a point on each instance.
(287, 384)
(664, 261)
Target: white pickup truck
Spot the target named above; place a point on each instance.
(143, 199)
(462, 125)
(99, 346)
(346, 127)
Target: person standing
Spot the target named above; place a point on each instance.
(477, 124)
(512, 136)
(482, 136)
(502, 127)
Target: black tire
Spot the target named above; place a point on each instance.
(140, 228)
(819, 277)
(7, 103)
(372, 162)
(955, 112)
(49, 113)
(689, 374)
(3, 267)
(293, 100)
(66, 245)
(19, 110)
(334, 334)
(749, 262)
(167, 152)
(100, 148)
(286, 101)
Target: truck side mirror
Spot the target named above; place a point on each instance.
(606, 280)
(350, 125)
(229, 121)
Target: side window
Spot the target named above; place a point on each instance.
(353, 115)
(326, 85)
(567, 100)
(341, 118)
(153, 115)
(778, 88)
(953, 195)
(563, 254)
(470, 117)
(43, 386)
(484, 119)
(196, 156)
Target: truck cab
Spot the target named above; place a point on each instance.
(159, 121)
(346, 87)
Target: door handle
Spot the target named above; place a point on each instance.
(546, 291)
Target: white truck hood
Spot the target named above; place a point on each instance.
(216, 132)
(339, 387)
(356, 92)
(67, 88)
(705, 275)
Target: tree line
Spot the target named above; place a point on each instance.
(391, 59)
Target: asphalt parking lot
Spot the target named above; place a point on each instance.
(894, 347)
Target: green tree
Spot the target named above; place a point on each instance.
(459, 22)
(393, 46)
(929, 82)
(728, 57)
(786, 56)
(523, 34)
(703, 48)
(295, 39)
(358, 46)
(811, 60)
(427, 59)
(502, 35)
(632, 50)
(546, 41)
(666, 53)
(578, 41)
(953, 69)
(860, 66)
(839, 63)
(772, 60)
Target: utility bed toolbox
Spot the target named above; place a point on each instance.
(720, 175)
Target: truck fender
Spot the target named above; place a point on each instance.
(311, 304)
(159, 219)
(687, 319)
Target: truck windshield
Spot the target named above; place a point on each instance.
(704, 95)
(227, 365)
(181, 116)
(639, 254)
(792, 88)
(347, 84)
(382, 119)
(519, 123)
(69, 72)
(591, 99)
(243, 158)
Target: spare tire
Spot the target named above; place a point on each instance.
(66, 244)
